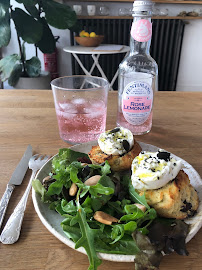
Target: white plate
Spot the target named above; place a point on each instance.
(52, 220)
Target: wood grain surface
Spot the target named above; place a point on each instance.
(28, 117)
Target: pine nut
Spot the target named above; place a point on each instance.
(73, 189)
(104, 218)
(93, 180)
(46, 179)
(140, 206)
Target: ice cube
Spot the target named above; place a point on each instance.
(78, 101)
(96, 103)
(67, 107)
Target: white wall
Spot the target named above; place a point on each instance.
(190, 69)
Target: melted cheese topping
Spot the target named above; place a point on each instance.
(117, 141)
(154, 170)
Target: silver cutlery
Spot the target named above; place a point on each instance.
(11, 231)
(16, 179)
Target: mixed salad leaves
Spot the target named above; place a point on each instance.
(114, 195)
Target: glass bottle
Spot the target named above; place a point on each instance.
(138, 74)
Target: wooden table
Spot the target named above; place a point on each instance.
(28, 117)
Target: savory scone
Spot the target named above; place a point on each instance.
(166, 186)
(118, 147)
(177, 199)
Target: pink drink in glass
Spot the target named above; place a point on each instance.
(81, 120)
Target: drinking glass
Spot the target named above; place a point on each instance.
(104, 10)
(81, 107)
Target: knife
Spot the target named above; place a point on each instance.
(16, 179)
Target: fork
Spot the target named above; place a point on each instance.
(11, 231)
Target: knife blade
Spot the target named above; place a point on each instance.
(16, 179)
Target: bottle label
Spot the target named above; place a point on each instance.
(137, 102)
(141, 30)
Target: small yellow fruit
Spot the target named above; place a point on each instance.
(81, 34)
(92, 34)
(86, 34)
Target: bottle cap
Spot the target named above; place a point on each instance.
(142, 6)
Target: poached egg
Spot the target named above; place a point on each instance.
(153, 170)
(117, 141)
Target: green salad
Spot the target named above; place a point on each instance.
(134, 232)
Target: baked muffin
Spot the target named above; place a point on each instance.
(177, 199)
(118, 147)
(166, 186)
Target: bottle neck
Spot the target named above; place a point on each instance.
(140, 47)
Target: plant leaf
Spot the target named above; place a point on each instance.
(117, 233)
(69, 207)
(47, 43)
(130, 226)
(64, 158)
(59, 15)
(15, 75)
(135, 197)
(7, 64)
(87, 239)
(32, 10)
(23, 50)
(27, 27)
(55, 188)
(39, 188)
(33, 67)
(71, 232)
(27, 2)
(5, 30)
(106, 169)
(4, 7)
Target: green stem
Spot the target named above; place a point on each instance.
(21, 54)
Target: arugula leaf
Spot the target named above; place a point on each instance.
(68, 207)
(73, 174)
(100, 189)
(117, 233)
(132, 213)
(106, 169)
(116, 206)
(130, 227)
(135, 197)
(125, 246)
(106, 187)
(55, 188)
(64, 158)
(72, 232)
(87, 239)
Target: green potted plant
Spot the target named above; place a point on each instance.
(32, 24)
